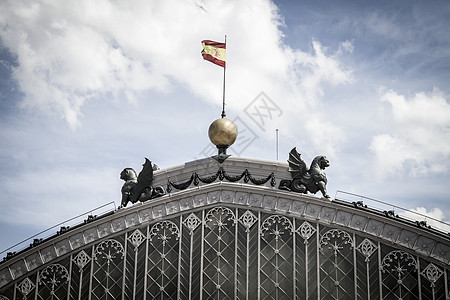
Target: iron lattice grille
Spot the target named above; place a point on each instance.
(236, 253)
(399, 276)
(107, 270)
(162, 275)
(276, 258)
(53, 281)
(336, 267)
(219, 254)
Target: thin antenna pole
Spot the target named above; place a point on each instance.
(224, 68)
(276, 130)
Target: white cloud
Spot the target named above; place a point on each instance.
(77, 51)
(418, 141)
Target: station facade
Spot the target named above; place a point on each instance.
(226, 231)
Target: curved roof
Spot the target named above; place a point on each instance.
(257, 189)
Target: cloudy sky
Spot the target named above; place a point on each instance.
(90, 87)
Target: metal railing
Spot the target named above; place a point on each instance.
(391, 210)
(62, 227)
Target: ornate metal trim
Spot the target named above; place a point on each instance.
(53, 276)
(192, 222)
(306, 231)
(163, 231)
(335, 233)
(399, 257)
(218, 216)
(100, 250)
(136, 238)
(221, 174)
(25, 287)
(248, 219)
(276, 220)
(432, 273)
(367, 248)
(81, 260)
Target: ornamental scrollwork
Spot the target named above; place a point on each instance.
(367, 248)
(53, 276)
(432, 273)
(221, 174)
(276, 226)
(219, 216)
(192, 222)
(398, 262)
(25, 287)
(136, 239)
(164, 231)
(247, 220)
(109, 250)
(306, 231)
(81, 260)
(335, 234)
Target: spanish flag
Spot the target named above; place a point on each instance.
(214, 52)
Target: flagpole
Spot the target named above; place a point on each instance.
(224, 68)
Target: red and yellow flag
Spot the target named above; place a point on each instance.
(214, 52)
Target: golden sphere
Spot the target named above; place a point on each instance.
(222, 132)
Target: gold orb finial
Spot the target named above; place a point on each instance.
(222, 132)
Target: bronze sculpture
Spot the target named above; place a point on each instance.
(306, 180)
(139, 187)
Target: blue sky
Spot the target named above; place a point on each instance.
(89, 88)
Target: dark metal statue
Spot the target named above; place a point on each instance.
(139, 187)
(306, 180)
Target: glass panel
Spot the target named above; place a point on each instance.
(276, 258)
(336, 265)
(399, 276)
(107, 271)
(163, 261)
(53, 282)
(218, 257)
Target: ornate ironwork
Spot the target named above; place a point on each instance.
(109, 250)
(367, 248)
(396, 260)
(432, 273)
(336, 234)
(248, 219)
(82, 259)
(218, 216)
(276, 226)
(136, 239)
(306, 231)
(192, 222)
(221, 174)
(164, 230)
(212, 256)
(53, 276)
(398, 267)
(25, 287)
